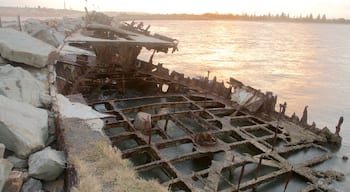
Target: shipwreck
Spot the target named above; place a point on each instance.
(189, 134)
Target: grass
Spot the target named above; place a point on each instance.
(102, 169)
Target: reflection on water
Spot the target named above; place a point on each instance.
(304, 64)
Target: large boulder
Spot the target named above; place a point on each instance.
(47, 164)
(23, 128)
(18, 84)
(23, 48)
(5, 169)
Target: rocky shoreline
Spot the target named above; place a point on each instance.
(29, 155)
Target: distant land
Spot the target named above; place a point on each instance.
(282, 17)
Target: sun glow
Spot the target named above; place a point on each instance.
(332, 8)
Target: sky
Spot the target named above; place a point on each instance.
(332, 8)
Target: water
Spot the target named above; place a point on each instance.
(304, 64)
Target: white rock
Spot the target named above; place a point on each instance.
(17, 162)
(142, 121)
(5, 169)
(47, 164)
(32, 185)
(23, 48)
(95, 124)
(23, 128)
(69, 109)
(18, 84)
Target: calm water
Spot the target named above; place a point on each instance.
(304, 64)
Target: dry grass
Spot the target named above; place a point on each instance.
(102, 169)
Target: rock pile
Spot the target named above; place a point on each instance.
(26, 162)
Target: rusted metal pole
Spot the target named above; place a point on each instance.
(150, 135)
(257, 171)
(206, 91)
(123, 85)
(337, 128)
(240, 177)
(288, 179)
(19, 23)
(258, 167)
(166, 125)
(276, 128)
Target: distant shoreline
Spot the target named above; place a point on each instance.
(51, 13)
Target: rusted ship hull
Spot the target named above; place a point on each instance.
(199, 135)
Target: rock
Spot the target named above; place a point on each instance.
(18, 84)
(25, 175)
(47, 164)
(17, 162)
(23, 128)
(2, 150)
(95, 124)
(69, 109)
(142, 121)
(32, 185)
(14, 182)
(32, 26)
(5, 169)
(23, 48)
(47, 36)
(72, 24)
(54, 186)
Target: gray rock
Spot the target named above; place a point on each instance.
(17, 162)
(47, 164)
(5, 169)
(32, 185)
(142, 121)
(2, 150)
(18, 84)
(32, 26)
(72, 24)
(23, 128)
(23, 48)
(47, 36)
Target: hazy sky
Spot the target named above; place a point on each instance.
(332, 8)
